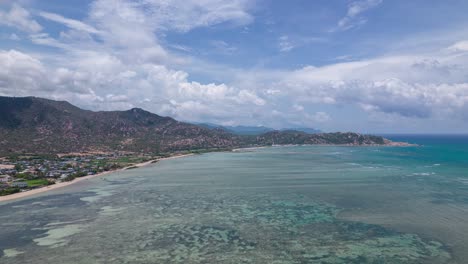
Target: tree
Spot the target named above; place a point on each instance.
(18, 167)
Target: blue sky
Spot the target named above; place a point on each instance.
(372, 66)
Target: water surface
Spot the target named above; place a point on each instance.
(302, 204)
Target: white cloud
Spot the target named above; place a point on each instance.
(210, 92)
(285, 44)
(247, 97)
(116, 58)
(19, 18)
(181, 48)
(411, 86)
(223, 47)
(122, 61)
(272, 91)
(21, 74)
(186, 15)
(71, 23)
(45, 39)
(459, 46)
(102, 81)
(123, 24)
(355, 9)
(343, 58)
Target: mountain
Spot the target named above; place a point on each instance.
(255, 130)
(303, 129)
(239, 130)
(248, 130)
(302, 138)
(37, 125)
(32, 124)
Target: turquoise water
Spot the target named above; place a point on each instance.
(298, 204)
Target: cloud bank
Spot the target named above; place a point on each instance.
(117, 58)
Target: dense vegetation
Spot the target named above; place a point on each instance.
(10, 190)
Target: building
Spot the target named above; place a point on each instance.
(5, 178)
(53, 174)
(20, 184)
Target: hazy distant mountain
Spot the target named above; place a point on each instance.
(256, 130)
(303, 129)
(36, 125)
(239, 130)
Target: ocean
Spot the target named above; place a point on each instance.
(291, 204)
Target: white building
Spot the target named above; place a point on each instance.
(20, 184)
(5, 178)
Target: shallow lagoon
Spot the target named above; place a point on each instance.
(272, 205)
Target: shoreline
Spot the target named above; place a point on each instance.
(390, 144)
(64, 184)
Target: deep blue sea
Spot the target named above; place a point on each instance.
(294, 204)
(451, 149)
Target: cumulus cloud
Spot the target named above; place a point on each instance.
(409, 86)
(19, 18)
(115, 59)
(21, 74)
(102, 81)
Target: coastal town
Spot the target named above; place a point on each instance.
(26, 172)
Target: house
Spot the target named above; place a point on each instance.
(20, 184)
(5, 178)
(54, 174)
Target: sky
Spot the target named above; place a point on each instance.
(370, 66)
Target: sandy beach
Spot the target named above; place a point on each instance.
(63, 184)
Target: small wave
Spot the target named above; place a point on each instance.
(433, 165)
(423, 173)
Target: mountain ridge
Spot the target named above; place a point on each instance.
(38, 125)
(256, 130)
